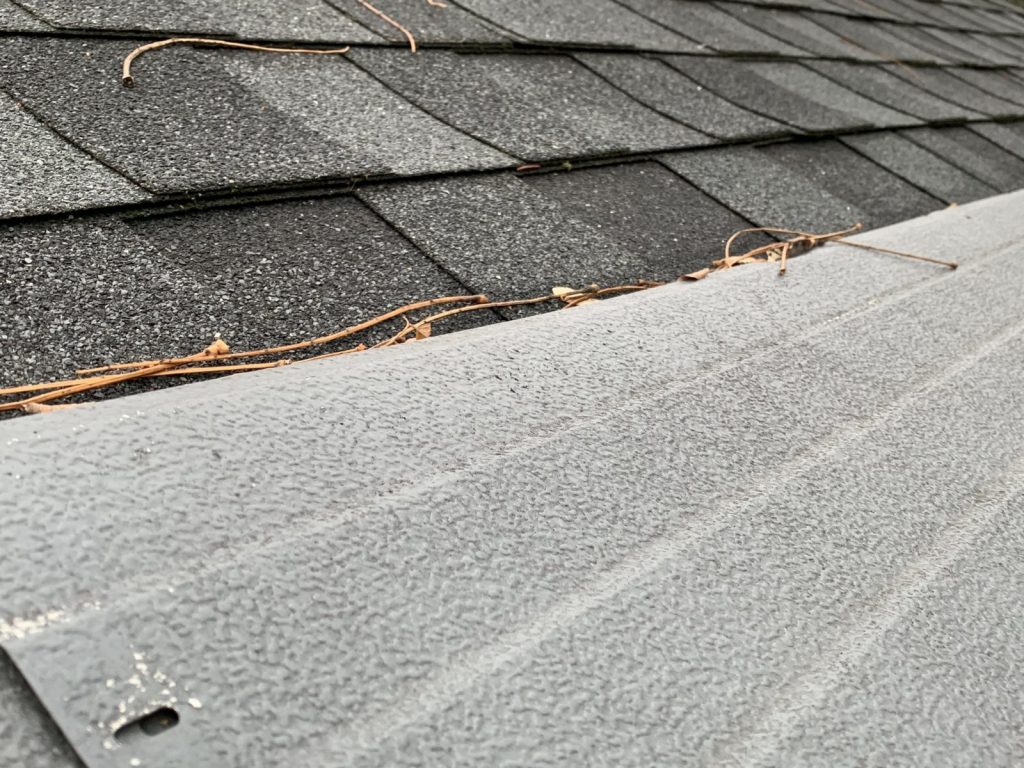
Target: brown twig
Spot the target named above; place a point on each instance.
(216, 349)
(572, 298)
(319, 341)
(392, 22)
(126, 67)
(904, 254)
(805, 241)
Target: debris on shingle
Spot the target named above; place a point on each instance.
(640, 206)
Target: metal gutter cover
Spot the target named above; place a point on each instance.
(748, 521)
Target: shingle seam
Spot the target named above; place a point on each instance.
(664, 26)
(69, 141)
(947, 161)
(407, 237)
(849, 41)
(918, 121)
(998, 148)
(724, 203)
(983, 89)
(944, 122)
(851, 146)
(898, 71)
(797, 8)
(653, 108)
(939, 201)
(31, 13)
(387, 86)
(777, 118)
(480, 18)
(951, 161)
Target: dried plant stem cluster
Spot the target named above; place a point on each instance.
(217, 358)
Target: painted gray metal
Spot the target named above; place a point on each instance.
(749, 521)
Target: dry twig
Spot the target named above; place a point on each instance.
(126, 67)
(393, 23)
(801, 242)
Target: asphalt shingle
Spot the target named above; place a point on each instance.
(712, 27)
(598, 22)
(429, 23)
(884, 198)
(13, 18)
(790, 93)
(871, 37)
(973, 154)
(667, 90)
(535, 107)
(511, 237)
(310, 20)
(798, 30)
(205, 118)
(668, 225)
(999, 44)
(946, 86)
(884, 87)
(257, 275)
(996, 82)
(923, 39)
(1009, 136)
(974, 53)
(920, 167)
(763, 191)
(43, 173)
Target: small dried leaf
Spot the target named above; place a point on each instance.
(561, 290)
(423, 331)
(700, 274)
(219, 347)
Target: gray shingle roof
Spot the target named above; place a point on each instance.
(272, 198)
(495, 87)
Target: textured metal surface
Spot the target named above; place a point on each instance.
(748, 521)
